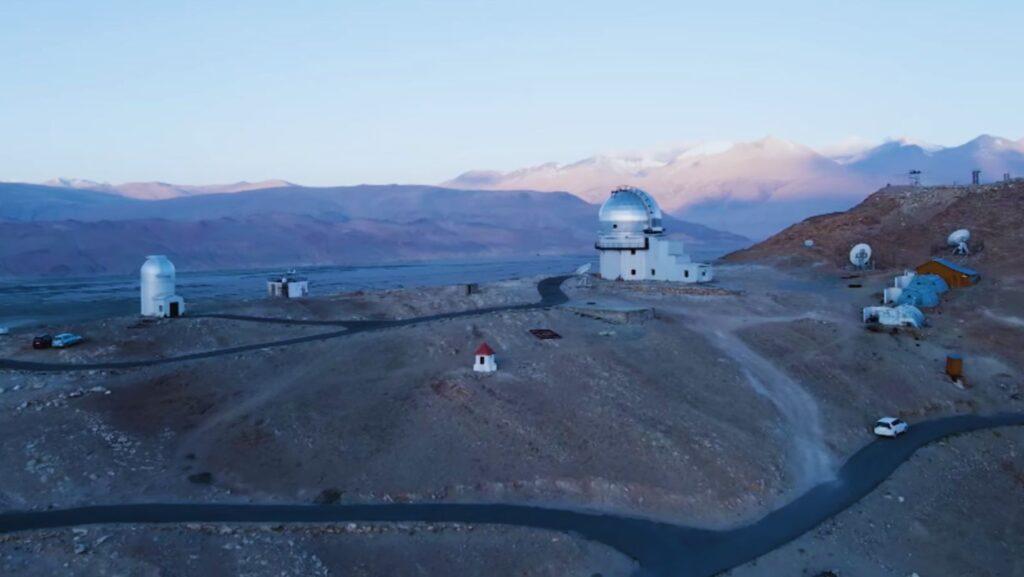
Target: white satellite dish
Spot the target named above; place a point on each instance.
(958, 239)
(860, 255)
(583, 276)
(808, 243)
(958, 236)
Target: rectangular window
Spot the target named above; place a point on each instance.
(481, 360)
(632, 251)
(652, 272)
(686, 273)
(632, 271)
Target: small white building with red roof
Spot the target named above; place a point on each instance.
(483, 359)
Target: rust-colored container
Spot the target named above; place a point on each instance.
(955, 366)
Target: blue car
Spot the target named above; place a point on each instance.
(66, 340)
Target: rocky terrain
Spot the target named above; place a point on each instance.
(359, 550)
(730, 401)
(963, 492)
(905, 226)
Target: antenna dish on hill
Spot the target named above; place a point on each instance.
(808, 243)
(958, 239)
(860, 255)
(582, 275)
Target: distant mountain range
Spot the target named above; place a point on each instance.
(758, 188)
(749, 189)
(69, 230)
(162, 190)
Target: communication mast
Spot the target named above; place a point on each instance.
(975, 177)
(915, 177)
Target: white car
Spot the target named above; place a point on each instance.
(66, 340)
(890, 427)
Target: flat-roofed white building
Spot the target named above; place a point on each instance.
(287, 285)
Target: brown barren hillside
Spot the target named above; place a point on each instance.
(907, 225)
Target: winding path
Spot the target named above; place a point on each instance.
(660, 548)
(550, 290)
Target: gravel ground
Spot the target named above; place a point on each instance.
(727, 403)
(356, 550)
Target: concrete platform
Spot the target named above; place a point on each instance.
(612, 310)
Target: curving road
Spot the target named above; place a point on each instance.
(661, 549)
(550, 290)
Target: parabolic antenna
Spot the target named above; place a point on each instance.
(958, 236)
(583, 269)
(860, 254)
(808, 243)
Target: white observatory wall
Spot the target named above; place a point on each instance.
(625, 262)
(157, 283)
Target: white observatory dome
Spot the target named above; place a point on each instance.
(156, 280)
(630, 210)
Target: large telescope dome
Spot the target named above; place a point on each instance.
(630, 210)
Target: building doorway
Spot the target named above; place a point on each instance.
(173, 312)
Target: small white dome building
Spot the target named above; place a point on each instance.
(633, 246)
(157, 287)
(483, 359)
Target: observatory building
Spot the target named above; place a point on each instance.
(287, 285)
(633, 246)
(156, 281)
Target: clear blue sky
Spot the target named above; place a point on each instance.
(383, 91)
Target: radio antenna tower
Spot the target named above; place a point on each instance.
(915, 177)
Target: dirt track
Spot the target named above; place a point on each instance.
(660, 419)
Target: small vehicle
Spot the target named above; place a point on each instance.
(42, 342)
(890, 427)
(66, 340)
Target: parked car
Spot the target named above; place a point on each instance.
(890, 427)
(66, 340)
(42, 342)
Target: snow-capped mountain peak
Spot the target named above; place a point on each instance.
(786, 180)
(79, 183)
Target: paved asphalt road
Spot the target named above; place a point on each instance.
(550, 290)
(661, 549)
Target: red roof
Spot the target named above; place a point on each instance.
(484, 349)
